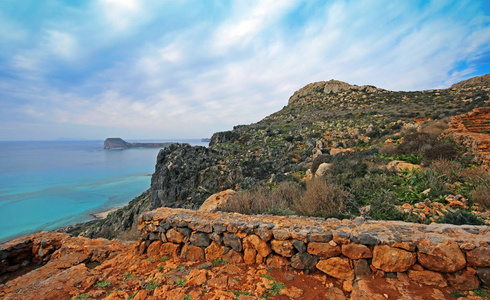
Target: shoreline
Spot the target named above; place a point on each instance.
(104, 213)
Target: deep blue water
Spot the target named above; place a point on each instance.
(45, 185)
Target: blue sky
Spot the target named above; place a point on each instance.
(144, 69)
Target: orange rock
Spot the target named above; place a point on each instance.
(283, 248)
(277, 262)
(192, 253)
(154, 249)
(174, 236)
(336, 267)
(445, 257)
(220, 282)
(324, 250)
(391, 259)
(249, 256)
(196, 277)
(233, 257)
(216, 201)
(291, 292)
(479, 257)
(214, 251)
(427, 278)
(356, 251)
(170, 250)
(258, 244)
(463, 280)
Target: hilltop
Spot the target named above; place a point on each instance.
(365, 124)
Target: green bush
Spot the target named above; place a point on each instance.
(461, 217)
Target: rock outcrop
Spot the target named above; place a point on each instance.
(120, 144)
(331, 86)
(472, 130)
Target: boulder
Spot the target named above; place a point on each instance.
(399, 166)
(444, 257)
(479, 257)
(283, 248)
(391, 259)
(356, 251)
(337, 267)
(463, 280)
(324, 250)
(216, 201)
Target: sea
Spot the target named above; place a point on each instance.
(45, 185)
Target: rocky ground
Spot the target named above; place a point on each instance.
(81, 268)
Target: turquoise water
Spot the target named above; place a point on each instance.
(45, 185)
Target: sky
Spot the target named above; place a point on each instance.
(148, 69)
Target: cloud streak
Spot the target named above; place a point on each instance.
(151, 69)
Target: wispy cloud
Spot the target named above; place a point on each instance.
(152, 69)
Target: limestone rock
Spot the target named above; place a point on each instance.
(258, 244)
(443, 257)
(356, 251)
(391, 259)
(479, 257)
(336, 267)
(399, 166)
(463, 280)
(427, 278)
(216, 201)
(283, 248)
(324, 250)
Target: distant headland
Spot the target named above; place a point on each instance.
(120, 144)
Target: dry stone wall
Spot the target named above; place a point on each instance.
(436, 254)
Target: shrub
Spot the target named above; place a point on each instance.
(383, 206)
(441, 151)
(321, 199)
(481, 193)
(450, 169)
(461, 217)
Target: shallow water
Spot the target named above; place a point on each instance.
(45, 185)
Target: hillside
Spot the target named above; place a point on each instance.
(321, 119)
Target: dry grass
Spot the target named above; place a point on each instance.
(321, 199)
(480, 178)
(450, 169)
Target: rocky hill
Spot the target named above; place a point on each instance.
(320, 119)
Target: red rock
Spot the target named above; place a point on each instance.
(192, 253)
(174, 236)
(220, 282)
(154, 249)
(427, 278)
(334, 293)
(324, 250)
(391, 259)
(337, 267)
(196, 277)
(356, 251)
(463, 280)
(214, 251)
(445, 257)
(479, 257)
(277, 262)
(249, 256)
(258, 244)
(292, 292)
(283, 248)
(170, 250)
(233, 257)
(362, 291)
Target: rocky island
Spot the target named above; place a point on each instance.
(120, 144)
